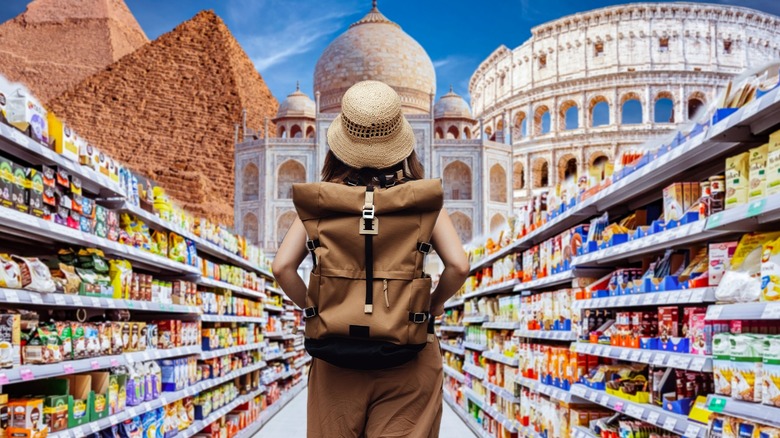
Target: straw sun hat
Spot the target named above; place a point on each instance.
(371, 131)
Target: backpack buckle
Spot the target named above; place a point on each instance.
(368, 212)
(418, 318)
(374, 229)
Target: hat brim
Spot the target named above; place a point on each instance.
(373, 154)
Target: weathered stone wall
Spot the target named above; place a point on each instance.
(169, 111)
(55, 44)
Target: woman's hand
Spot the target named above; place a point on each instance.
(437, 309)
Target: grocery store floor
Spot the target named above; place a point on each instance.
(291, 422)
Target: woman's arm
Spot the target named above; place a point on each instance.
(456, 265)
(288, 258)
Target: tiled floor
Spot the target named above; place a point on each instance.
(291, 422)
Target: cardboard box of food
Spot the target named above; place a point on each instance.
(7, 182)
(26, 113)
(62, 138)
(757, 172)
(737, 175)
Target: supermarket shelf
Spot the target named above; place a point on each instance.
(210, 282)
(199, 425)
(583, 432)
(475, 319)
(466, 418)
(550, 391)
(502, 325)
(302, 362)
(231, 350)
(164, 399)
(652, 414)
(274, 290)
(39, 230)
(271, 411)
(274, 356)
(491, 290)
(447, 347)
(452, 328)
(23, 147)
(288, 317)
(280, 336)
(33, 372)
(474, 346)
(668, 359)
(682, 235)
(280, 376)
(207, 247)
(231, 318)
(763, 310)
(501, 392)
(474, 370)
(511, 361)
(747, 217)
(451, 372)
(508, 424)
(551, 280)
(20, 296)
(271, 308)
(453, 303)
(764, 414)
(289, 355)
(683, 296)
(547, 335)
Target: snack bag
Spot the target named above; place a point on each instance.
(746, 357)
(35, 275)
(66, 339)
(10, 273)
(79, 340)
(121, 274)
(741, 283)
(770, 271)
(160, 242)
(177, 248)
(66, 279)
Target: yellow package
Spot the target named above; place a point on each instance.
(160, 242)
(737, 171)
(757, 173)
(63, 138)
(121, 274)
(773, 164)
(770, 271)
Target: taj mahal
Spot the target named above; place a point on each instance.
(581, 91)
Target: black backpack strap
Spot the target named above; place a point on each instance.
(312, 245)
(369, 226)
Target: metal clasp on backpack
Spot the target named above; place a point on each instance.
(369, 216)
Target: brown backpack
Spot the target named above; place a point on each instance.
(381, 234)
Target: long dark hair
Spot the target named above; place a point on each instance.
(334, 170)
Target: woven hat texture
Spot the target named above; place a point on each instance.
(371, 131)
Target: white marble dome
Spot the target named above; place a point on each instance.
(452, 106)
(298, 105)
(378, 49)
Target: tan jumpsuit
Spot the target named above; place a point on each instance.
(405, 401)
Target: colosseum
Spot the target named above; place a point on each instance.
(587, 87)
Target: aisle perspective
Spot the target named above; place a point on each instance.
(125, 312)
(647, 300)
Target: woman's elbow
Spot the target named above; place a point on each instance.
(279, 267)
(461, 266)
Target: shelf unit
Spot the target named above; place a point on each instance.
(695, 158)
(760, 413)
(550, 391)
(447, 347)
(35, 232)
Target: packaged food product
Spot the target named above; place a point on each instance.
(79, 340)
(741, 282)
(721, 363)
(773, 164)
(746, 357)
(27, 114)
(770, 271)
(10, 273)
(104, 338)
(121, 274)
(67, 279)
(64, 332)
(737, 171)
(34, 274)
(758, 157)
(177, 248)
(10, 340)
(117, 345)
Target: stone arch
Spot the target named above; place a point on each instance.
(696, 102)
(282, 132)
(463, 226)
(598, 160)
(542, 120)
(598, 111)
(453, 132)
(497, 183)
(541, 173)
(663, 108)
(497, 222)
(466, 132)
(439, 134)
(283, 224)
(251, 225)
(568, 116)
(310, 132)
(296, 131)
(520, 126)
(457, 181)
(518, 176)
(567, 166)
(489, 133)
(631, 109)
(289, 173)
(250, 182)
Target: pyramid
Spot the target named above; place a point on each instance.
(169, 112)
(55, 44)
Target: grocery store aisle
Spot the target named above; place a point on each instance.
(291, 422)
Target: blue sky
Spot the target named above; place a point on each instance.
(284, 38)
